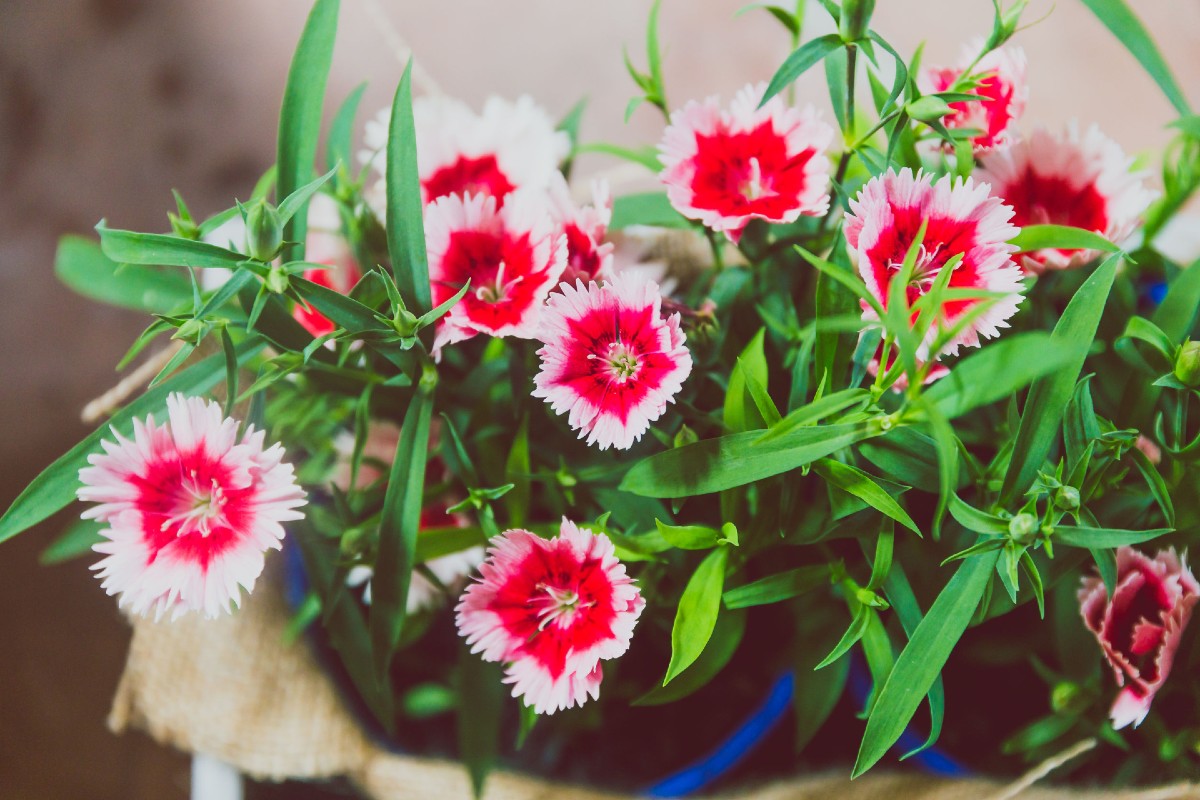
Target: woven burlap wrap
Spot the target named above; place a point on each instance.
(233, 689)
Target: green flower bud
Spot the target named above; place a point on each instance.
(1187, 363)
(1067, 498)
(277, 279)
(928, 108)
(264, 231)
(685, 437)
(855, 19)
(405, 322)
(192, 330)
(1066, 696)
(183, 228)
(1023, 527)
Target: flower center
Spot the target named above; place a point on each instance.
(752, 187)
(558, 604)
(926, 268)
(497, 291)
(197, 506)
(620, 360)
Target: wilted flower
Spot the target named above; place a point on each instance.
(326, 245)
(190, 509)
(1002, 85)
(1140, 627)
(610, 359)
(508, 146)
(1085, 182)
(726, 168)
(589, 256)
(511, 256)
(961, 219)
(551, 609)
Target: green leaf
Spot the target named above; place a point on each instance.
(714, 465)
(1176, 315)
(827, 406)
(82, 266)
(996, 372)
(832, 349)
(405, 221)
(905, 454)
(796, 64)
(726, 636)
(644, 156)
(816, 691)
(1156, 484)
(398, 531)
(1120, 19)
(517, 469)
(55, 487)
(342, 310)
(1146, 331)
(778, 587)
(860, 484)
(923, 658)
(1082, 536)
(697, 613)
(689, 537)
(900, 595)
(295, 202)
(480, 706)
(437, 542)
(740, 412)
(650, 208)
(1042, 416)
(1060, 237)
(130, 247)
(975, 520)
(339, 147)
(77, 540)
(1106, 565)
(301, 113)
(858, 626)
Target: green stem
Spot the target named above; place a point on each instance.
(847, 132)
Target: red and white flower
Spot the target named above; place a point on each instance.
(611, 361)
(962, 218)
(552, 610)
(726, 168)
(507, 146)
(1083, 181)
(589, 256)
(1002, 85)
(190, 509)
(1140, 627)
(326, 245)
(512, 257)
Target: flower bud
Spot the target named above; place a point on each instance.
(855, 19)
(264, 232)
(1006, 24)
(1066, 696)
(277, 279)
(1187, 363)
(1022, 527)
(928, 108)
(1067, 498)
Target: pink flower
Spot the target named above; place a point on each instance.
(610, 360)
(1140, 628)
(190, 509)
(508, 146)
(726, 168)
(1085, 182)
(589, 256)
(1002, 73)
(326, 245)
(961, 219)
(511, 256)
(551, 609)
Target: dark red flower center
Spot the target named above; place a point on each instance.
(469, 176)
(500, 267)
(751, 172)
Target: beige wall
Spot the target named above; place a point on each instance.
(107, 104)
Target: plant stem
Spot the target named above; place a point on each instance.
(847, 131)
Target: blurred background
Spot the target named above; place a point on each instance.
(106, 105)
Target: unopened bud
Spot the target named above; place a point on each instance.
(1187, 363)
(277, 279)
(1006, 24)
(1066, 696)
(685, 437)
(264, 232)
(855, 19)
(928, 108)
(1022, 527)
(1067, 498)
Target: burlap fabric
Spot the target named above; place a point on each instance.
(233, 689)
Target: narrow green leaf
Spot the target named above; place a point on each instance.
(697, 612)
(798, 63)
(339, 147)
(301, 113)
(130, 247)
(923, 658)
(398, 531)
(1158, 486)
(996, 372)
(778, 587)
(82, 266)
(739, 412)
(689, 537)
(816, 691)
(343, 310)
(1047, 401)
(651, 208)
(714, 465)
(1120, 19)
(858, 626)
(1176, 315)
(405, 221)
(1106, 565)
(860, 484)
(291, 205)
(77, 540)
(900, 595)
(726, 636)
(907, 455)
(55, 487)
(1083, 536)
(827, 406)
(1061, 237)
(517, 469)
(975, 520)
